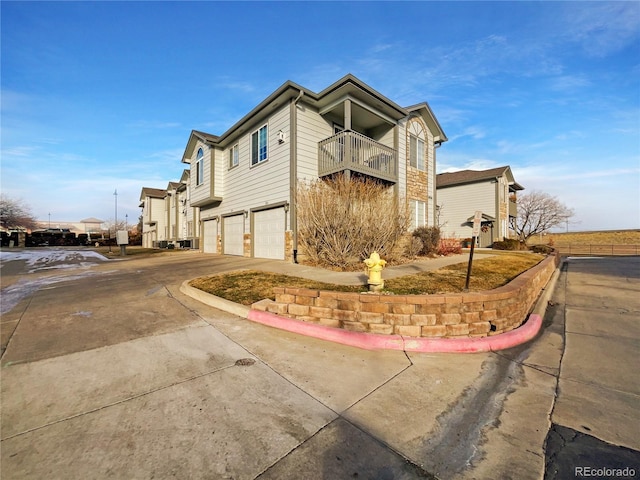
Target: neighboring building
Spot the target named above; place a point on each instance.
(92, 226)
(167, 217)
(461, 194)
(154, 217)
(243, 183)
(181, 215)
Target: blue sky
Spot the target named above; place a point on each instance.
(99, 96)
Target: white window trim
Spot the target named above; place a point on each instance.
(416, 221)
(234, 156)
(200, 168)
(257, 132)
(420, 163)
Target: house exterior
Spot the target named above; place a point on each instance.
(154, 216)
(461, 194)
(242, 183)
(167, 217)
(93, 226)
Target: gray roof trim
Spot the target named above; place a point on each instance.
(352, 80)
(424, 105)
(347, 85)
(152, 192)
(472, 176)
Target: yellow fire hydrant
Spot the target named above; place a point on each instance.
(374, 268)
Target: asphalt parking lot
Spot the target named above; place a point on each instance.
(109, 371)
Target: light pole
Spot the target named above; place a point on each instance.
(49, 220)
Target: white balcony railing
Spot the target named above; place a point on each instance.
(353, 151)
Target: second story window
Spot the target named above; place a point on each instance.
(416, 152)
(259, 146)
(199, 167)
(234, 156)
(417, 139)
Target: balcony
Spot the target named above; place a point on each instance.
(355, 152)
(513, 208)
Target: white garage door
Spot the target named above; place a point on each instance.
(233, 233)
(210, 234)
(268, 233)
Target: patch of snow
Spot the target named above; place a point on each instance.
(49, 259)
(46, 259)
(13, 294)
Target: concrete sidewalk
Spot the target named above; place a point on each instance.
(597, 411)
(117, 374)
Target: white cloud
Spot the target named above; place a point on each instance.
(153, 124)
(603, 28)
(569, 83)
(474, 131)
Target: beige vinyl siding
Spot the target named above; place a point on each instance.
(159, 214)
(460, 202)
(311, 129)
(220, 167)
(246, 186)
(203, 191)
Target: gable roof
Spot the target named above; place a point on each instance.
(91, 220)
(472, 176)
(425, 110)
(349, 85)
(152, 192)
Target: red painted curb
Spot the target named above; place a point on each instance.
(373, 341)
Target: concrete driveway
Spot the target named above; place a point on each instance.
(110, 372)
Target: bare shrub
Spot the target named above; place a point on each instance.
(340, 221)
(413, 247)
(430, 237)
(449, 246)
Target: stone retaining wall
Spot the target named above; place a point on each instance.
(477, 314)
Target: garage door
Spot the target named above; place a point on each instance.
(268, 233)
(233, 235)
(210, 234)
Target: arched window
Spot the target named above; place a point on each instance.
(199, 167)
(417, 141)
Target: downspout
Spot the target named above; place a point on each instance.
(436, 146)
(293, 172)
(496, 213)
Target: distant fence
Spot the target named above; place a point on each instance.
(598, 249)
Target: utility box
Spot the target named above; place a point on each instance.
(122, 237)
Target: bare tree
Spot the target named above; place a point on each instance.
(538, 212)
(15, 214)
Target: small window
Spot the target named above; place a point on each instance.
(259, 146)
(418, 214)
(199, 167)
(416, 152)
(234, 156)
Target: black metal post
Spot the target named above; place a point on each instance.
(473, 246)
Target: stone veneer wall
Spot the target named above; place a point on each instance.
(474, 314)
